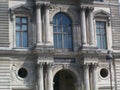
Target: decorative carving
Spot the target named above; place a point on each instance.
(39, 5)
(41, 64)
(20, 9)
(50, 65)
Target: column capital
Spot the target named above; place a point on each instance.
(49, 65)
(39, 5)
(47, 6)
(86, 65)
(95, 65)
(84, 7)
(41, 64)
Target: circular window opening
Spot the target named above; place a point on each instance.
(22, 72)
(104, 72)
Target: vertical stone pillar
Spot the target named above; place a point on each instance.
(94, 77)
(40, 77)
(77, 86)
(86, 78)
(91, 28)
(83, 26)
(49, 76)
(39, 24)
(47, 23)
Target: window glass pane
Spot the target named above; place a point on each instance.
(59, 29)
(18, 39)
(102, 25)
(69, 30)
(25, 43)
(59, 40)
(97, 31)
(69, 41)
(58, 20)
(24, 27)
(24, 20)
(98, 42)
(64, 29)
(104, 42)
(65, 41)
(17, 19)
(102, 32)
(55, 29)
(55, 40)
(18, 27)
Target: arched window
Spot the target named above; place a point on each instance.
(62, 31)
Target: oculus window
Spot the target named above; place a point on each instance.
(21, 31)
(101, 34)
(62, 31)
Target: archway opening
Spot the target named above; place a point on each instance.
(64, 80)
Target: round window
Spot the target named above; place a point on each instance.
(22, 72)
(104, 72)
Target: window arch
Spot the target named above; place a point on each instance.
(62, 31)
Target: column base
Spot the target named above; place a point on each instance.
(88, 47)
(39, 45)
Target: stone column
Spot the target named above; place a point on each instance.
(40, 77)
(49, 76)
(83, 26)
(86, 78)
(39, 24)
(47, 23)
(77, 86)
(91, 28)
(94, 77)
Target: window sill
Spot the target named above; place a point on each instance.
(21, 49)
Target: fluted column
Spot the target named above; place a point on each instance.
(38, 24)
(83, 26)
(94, 77)
(47, 23)
(91, 28)
(86, 78)
(49, 76)
(40, 77)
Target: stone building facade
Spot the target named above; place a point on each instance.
(59, 45)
